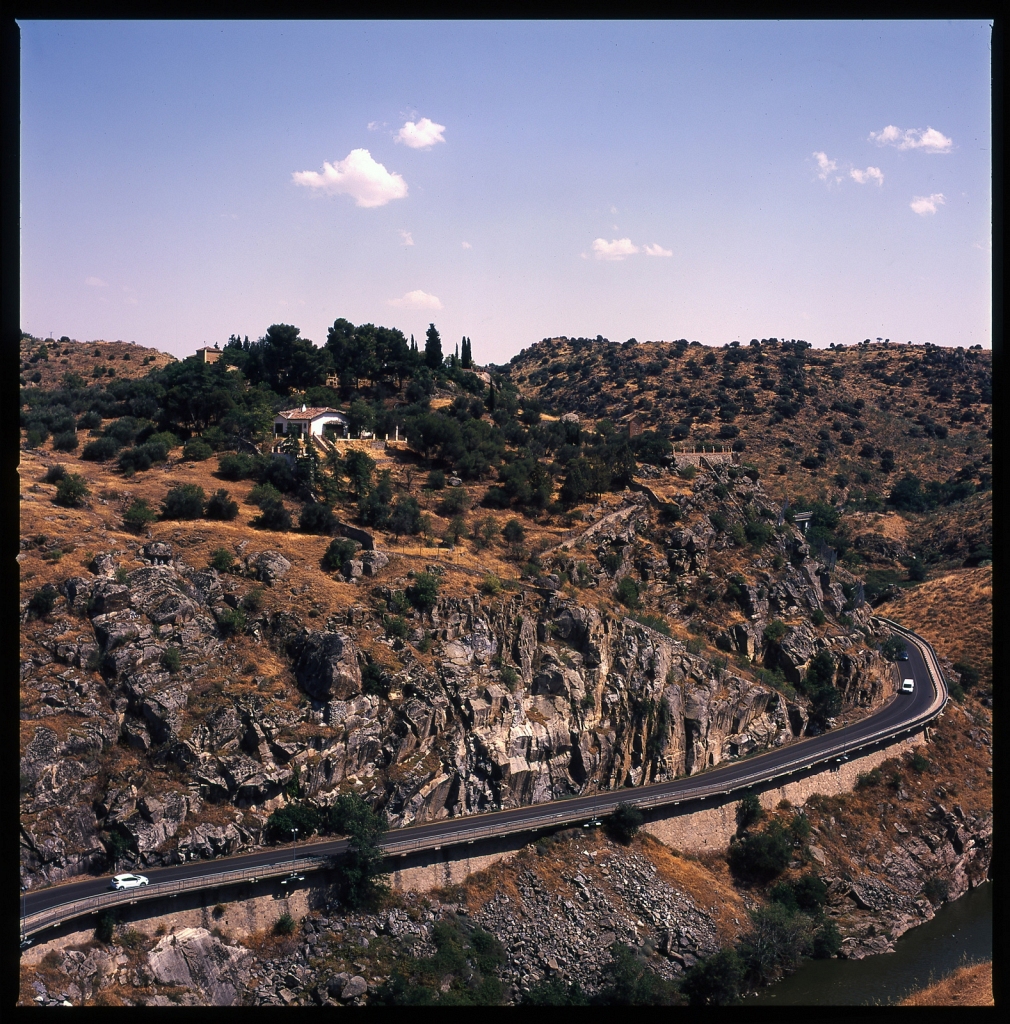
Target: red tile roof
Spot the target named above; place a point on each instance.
(307, 414)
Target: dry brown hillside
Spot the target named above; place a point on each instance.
(50, 360)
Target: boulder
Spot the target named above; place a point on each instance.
(373, 561)
(193, 958)
(270, 566)
(353, 568)
(103, 564)
(158, 552)
(353, 987)
(327, 666)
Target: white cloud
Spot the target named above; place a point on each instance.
(416, 300)
(466, 245)
(613, 209)
(422, 135)
(825, 166)
(930, 140)
(374, 126)
(408, 238)
(657, 250)
(614, 250)
(870, 174)
(359, 176)
(96, 282)
(923, 205)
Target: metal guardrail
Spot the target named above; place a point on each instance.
(457, 837)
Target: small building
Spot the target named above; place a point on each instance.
(635, 427)
(309, 422)
(208, 354)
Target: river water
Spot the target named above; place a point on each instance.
(961, 932)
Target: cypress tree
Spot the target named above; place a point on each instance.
(433, 347)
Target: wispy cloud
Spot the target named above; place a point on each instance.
(930, 140)
(420, 135)
(616, 249)
(357, 175)
(657, 250)
(926, 205)
(96, 282)
(466, 245)
(416, 300)
(407, 237)
(870, 174)
(825, 166)
(374, 126)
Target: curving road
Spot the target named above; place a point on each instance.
(903, 713)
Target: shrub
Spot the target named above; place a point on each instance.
(316, 517)
(374, 681)
(818, 618)
(171, 659)
(918, 762)
(748, 811)
(514, 533)
(775, 631)
(273, 516)
(624, 823)
(221, 559)
(105, 926)
(396, 626)
(303, 817)
(491, 585)
(220, 506)
(936, 890)
(253, 601)
(714, 981)
(236, 467)
(262, 493)
(424, 593)
(183, 502)
(405, 516)
(758, 534)
(41, 604)
(627, 592)
(138, 515)
(54, 474)
(101, 450)
(196, 450)
(827, 941)
(456, 500)
(340, 550)
(231, 621)
(633, 983)
(762, 856)
(91, 420)
(436, 480)
(71, 491)
(65, 441)
(285, 924)
(969, 674)
(509, 676)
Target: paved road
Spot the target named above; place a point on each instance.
(900, 710)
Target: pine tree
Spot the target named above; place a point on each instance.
(433, 348)
(490, 398)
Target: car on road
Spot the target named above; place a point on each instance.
(129, 881)
(903, 656)
(908, 686)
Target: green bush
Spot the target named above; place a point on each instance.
(456, 501)
(316, 517)
(54, 474)
(237, 467)
(101, 450)
(424, 592)
(775, 631)
(624, 823)
(554, 992)
(196, 450)
(42, 602)
(183, 502)
(139, 515)
(65, 441)
(918, 762)
(936, 890)
(362, 882)
(253, 601)
(338, 552)
(220, 506)
(105, 926)
(827, 941)
(436, 480)
(263, 493)
(285, 924)
(221, 559)
(296, 815)
(374, 680)
(36, 435)
(818, 618)
(633, 983)
(627, 592)
(513, 533)
(762, 856)
(396, 627)
(714, 981)
(491, 585)
(273, 516)
(509, 676)
(758, 534)
(171, 659)
(71, 491)
(231, 621)
(748, 812)
(776, 942)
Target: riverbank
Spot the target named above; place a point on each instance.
(967, 986)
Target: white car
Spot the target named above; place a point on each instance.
(908, 686)
(129, 881)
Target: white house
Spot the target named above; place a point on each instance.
(305, 422)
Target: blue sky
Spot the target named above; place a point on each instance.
(717, 181)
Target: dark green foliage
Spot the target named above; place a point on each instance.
(748, 812)
(253, 601)
(714, 981)
(513, 533)
(936, 889)
(918, 763)
(66, 441)
(105, 925)
(340, 550)
(827, 940)
(285, 924)
(775, 631)
(758, 534)
(89, 421)
(969, 674)
(362, 882)
(761, 856)
(456, 500)
(222, 559)
(818, 618)
(374, 507)
(893, 646)
(916, 570)
(196, 450)
(316, 517)
(818, 686)
(436, 480)
(775, 943)
(171, 659)
(231, 621)
(71, 491)
(273, 516)
(101, 450)
(554, 992)
(42, 601)
(183, 502)
(296, 815)
(220, 506)
(808, 893)
(374, 681)
(54, 474)
(908, 494)
(405, 517)
(632, 983)
(624, 823)
(396, 626)
(263, 493)
(424, 592)
(432, 348)
(627, 592)
(237, 467)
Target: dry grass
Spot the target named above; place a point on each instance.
(967, 986)
(81, 359)
(953, 611)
